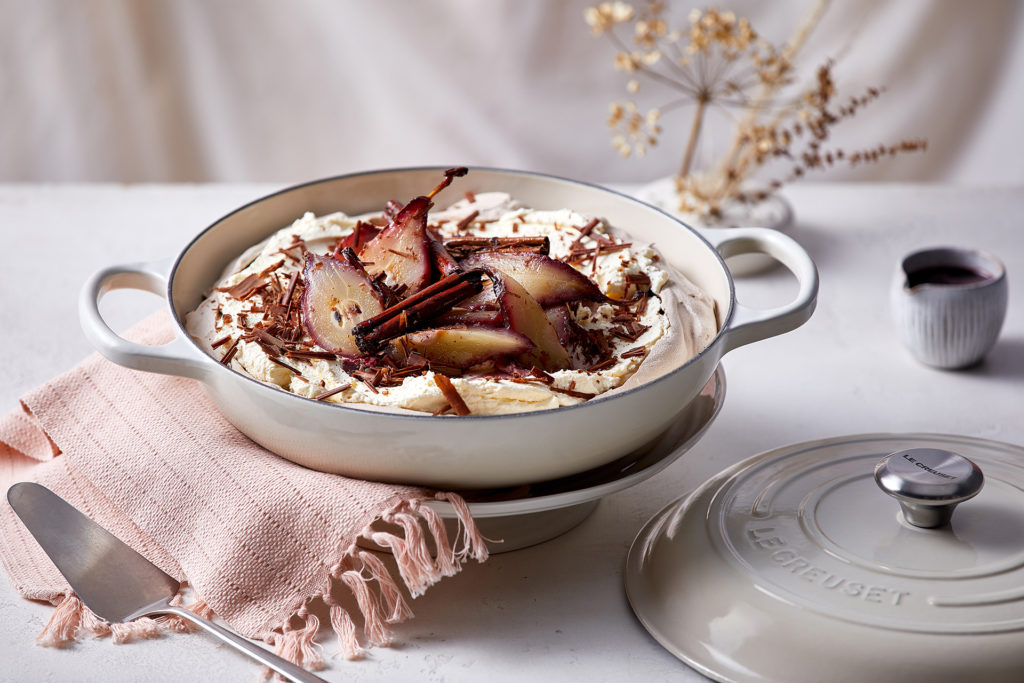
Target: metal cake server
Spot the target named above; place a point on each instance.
(114, 581)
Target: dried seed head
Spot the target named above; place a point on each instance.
(606, 15)
(719, 59)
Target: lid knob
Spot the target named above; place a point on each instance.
(928, 483)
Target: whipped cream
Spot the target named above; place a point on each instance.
(221, 319)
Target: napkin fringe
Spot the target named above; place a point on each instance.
(375, 590)
(365, 575)
(473, 544)
(345, 629)
(72, 620)
(398, 609)
(298, 645)
(374, 627)
(64, 623)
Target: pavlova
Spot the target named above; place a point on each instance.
(487, 307)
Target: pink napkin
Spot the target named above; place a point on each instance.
(264, 543)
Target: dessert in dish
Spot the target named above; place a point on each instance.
(486, 307)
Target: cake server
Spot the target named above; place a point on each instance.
(114, 581)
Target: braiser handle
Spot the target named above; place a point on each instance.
(750, 324)
(174, 358)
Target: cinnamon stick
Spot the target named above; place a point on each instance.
(406, 315)
(468, 245)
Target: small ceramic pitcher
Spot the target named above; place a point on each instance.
(949, 305)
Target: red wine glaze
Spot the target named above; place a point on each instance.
(946, 275)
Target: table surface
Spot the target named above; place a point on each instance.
(556, 610)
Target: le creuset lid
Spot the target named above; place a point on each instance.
(844, 560)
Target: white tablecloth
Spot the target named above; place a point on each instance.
(556, 611)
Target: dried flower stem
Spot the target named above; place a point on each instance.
(767, 92)
(691, 143)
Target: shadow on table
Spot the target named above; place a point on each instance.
(1005, 361)
(483, 606)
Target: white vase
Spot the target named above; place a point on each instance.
(773, 212)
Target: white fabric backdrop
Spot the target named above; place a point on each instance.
(268, 90)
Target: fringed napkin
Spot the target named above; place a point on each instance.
(265, 544)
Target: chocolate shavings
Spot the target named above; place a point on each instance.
(451, 394)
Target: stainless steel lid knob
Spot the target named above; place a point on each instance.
(928, 483)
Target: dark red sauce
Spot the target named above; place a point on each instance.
(946, 275)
